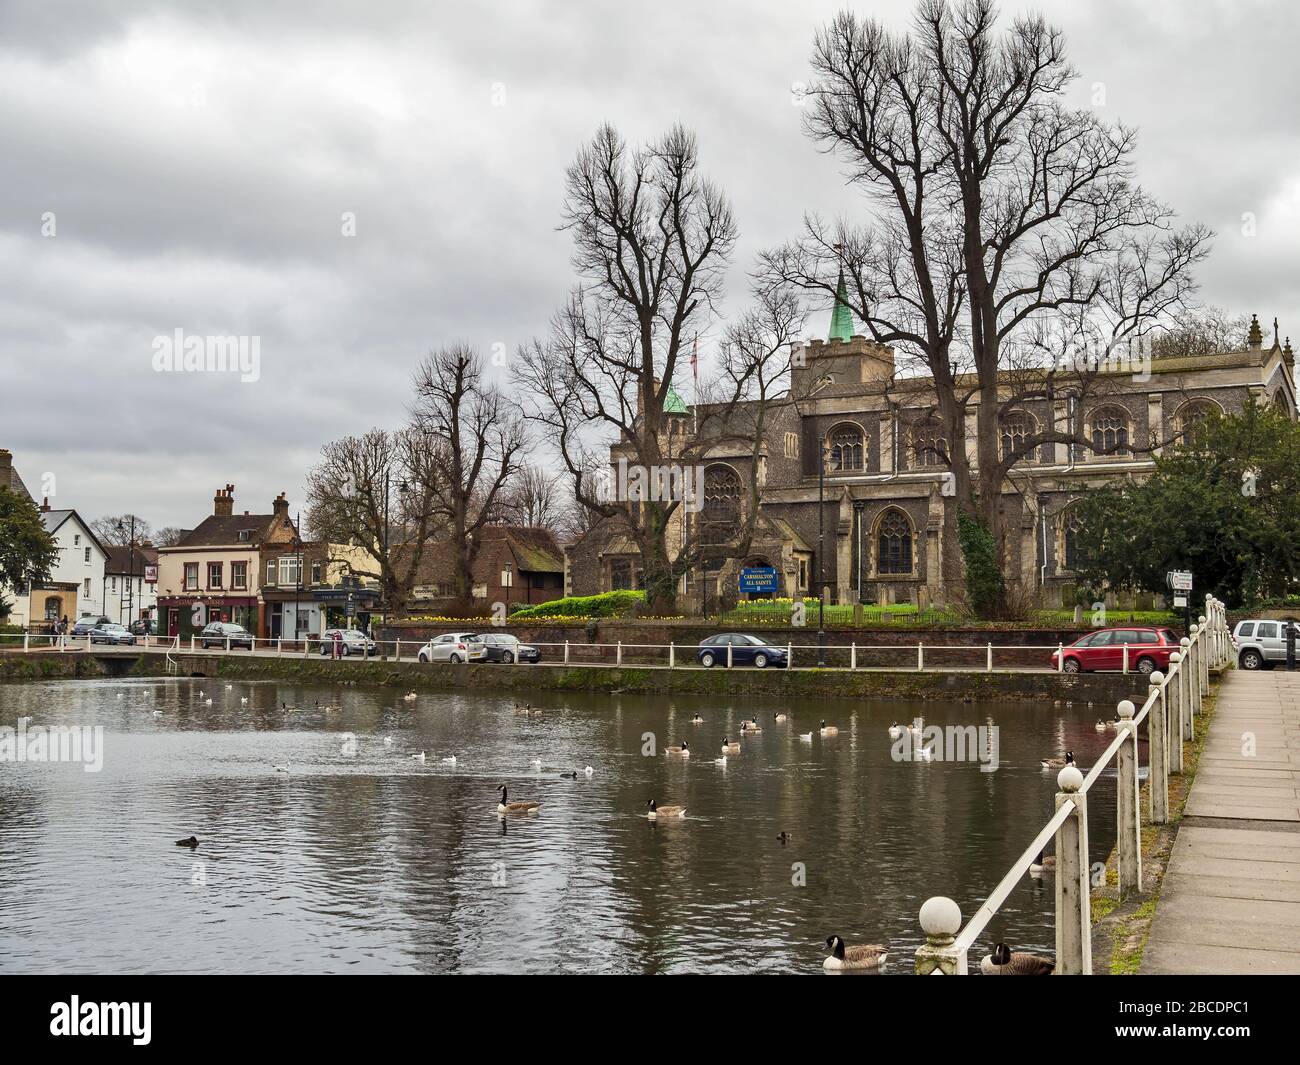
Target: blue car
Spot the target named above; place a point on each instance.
(745, 651)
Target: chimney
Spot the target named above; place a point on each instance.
(280, 506)
(223, 503)
(45, 504)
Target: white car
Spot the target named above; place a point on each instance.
(454, 647)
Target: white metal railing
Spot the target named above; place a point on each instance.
(1170, 709)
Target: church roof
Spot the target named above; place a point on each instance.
(841, 316)
(674, 404)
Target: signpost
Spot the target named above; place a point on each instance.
(1180, 580)
(759, 579)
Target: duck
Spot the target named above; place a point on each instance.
(587, 771)
(1044, 863)
(281, 768)
(192, 842)
(784, 837)
(570, 776)
(848, 959)
(1058, 763)
(829, 730)
(684, 750)
(207, 702)
(657, 812)
(895, 731)
(697, 720)
(730, 746)
(1100, 726)
(1006, 962)
(449, 760)
(419, 757)
(409, 697)
(780, 718)
(506, 807)
(721, 762)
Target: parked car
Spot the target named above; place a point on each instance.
(354, 642)
(83, 625)
(144, 627)
(110, 633)
(216, 633)
(1261, 642)
(1103, 650)
(502, 647)
(745, 650)
(454, 647)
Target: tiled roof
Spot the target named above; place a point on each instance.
(120, 558)
(219, 530)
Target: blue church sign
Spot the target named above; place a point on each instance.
(758, 579)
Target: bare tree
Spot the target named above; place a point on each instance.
(116, 530)
(959, 135)
(652, 239)
(481, 439)
(535, 497)
(376, 491)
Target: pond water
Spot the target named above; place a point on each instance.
(366, 860)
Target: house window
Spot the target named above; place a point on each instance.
(846, 448)
(214, 574)
(1110, 431)
(620, 575)
(191, 576)
(86, 592)
(53, 608)
(112, 584)
(803, 573)
(894, 541)
(791, 445)
(239, 575)
(270, 572)
(76, 539)
(290, 570)
(315, 571)
(87, 554)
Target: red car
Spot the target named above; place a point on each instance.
(1148, 649)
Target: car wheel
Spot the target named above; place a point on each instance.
(1072, 665)
(760, 660)
(1251, 660)
(507, 657)
(424, 659)
(706, 660)
(1146, 665)
(454, 660)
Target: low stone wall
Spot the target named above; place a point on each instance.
(1104, 689)
(41, 665)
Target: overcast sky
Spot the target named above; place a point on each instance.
(198, 164)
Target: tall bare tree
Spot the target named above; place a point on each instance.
(117, 530)
(1005, 226)
(480, 437)
(535, 497)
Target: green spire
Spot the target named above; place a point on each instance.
(674, 404)
(841, 316)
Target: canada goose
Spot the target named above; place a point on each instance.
(895, 731)
(697, 720)
(523, 708)
(1006, 962)
(504, 807)
(230, 687)
(750, 726)
(1100, 726)
(1058, 763)
(192, 842)
(281, 768)
(829, 730)
(784, 837)
(418, 757)
(664, 811)
(846, 959)
(730, 746)
(779, 718)
(684, 750)
(1044, 863)
(587, 771)
(409, 697)
(449, 760)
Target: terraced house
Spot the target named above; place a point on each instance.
(884, 484)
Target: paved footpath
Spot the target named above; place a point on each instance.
(1231, 897)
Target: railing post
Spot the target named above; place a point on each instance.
(1060, 658)
(1129, 828)
(1185, 689)
(1125, 660)
(25, 639)
(853, 655)
(1073, 901)
(397, 650)
(227, 645)
(728, 656)
(988, 666)
(789, 654)
(191, 641)
(672, 655)
(279, 647)
(1158, 744)
(1195, 678)
(1174, 711)
(920, 658)
(566, 652)
(940, 921)
(618, 654)
(1204, 659)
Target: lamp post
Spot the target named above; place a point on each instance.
(297, 550)
(130, 566)
(821, 552)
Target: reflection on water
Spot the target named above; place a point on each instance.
(375, 862)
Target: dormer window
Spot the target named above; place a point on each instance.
(245, 535)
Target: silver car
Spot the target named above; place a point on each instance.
(454, 647)
(1261, 643)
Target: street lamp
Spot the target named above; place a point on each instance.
(130, 566)
(821, 551)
